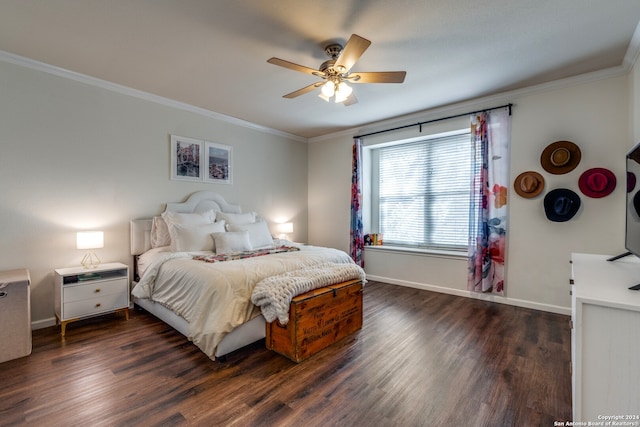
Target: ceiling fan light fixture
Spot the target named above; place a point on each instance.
(343, 92)
(328, 89)
(322, 96)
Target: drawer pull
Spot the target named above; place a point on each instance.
(98, 305)
(97, 290)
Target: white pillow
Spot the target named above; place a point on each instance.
(232, 241)
(259, 234)
(236, 218)
(191, 238)
(159, 233)
(189, 218)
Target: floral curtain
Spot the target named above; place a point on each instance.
(490, 136)
(356, 247)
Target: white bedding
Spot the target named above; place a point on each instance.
(215, 298)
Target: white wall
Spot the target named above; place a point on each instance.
(594, 115)
(634, 110)
(75, 156)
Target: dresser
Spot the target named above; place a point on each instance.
(605, 338)
(80, 292)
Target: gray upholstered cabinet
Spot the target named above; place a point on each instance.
(605, 338)
(15, 314)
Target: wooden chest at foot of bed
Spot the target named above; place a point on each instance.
(317, 319)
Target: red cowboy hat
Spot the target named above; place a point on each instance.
(597, 182)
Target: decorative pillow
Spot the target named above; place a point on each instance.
(159, 233)
(259, 234)
(232, 241)
(236, 218)
(191, 238)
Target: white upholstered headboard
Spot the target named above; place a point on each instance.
(201, 201)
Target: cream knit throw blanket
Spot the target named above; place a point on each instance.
(273, 294)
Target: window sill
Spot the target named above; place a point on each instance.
(417, 251)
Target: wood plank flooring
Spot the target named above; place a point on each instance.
(421, 359)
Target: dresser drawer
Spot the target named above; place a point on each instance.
(94, 289)
(96, 305)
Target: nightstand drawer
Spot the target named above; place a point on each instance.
(94, 289)
(96, 305)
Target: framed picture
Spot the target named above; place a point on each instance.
(218, 167)
(187, 159)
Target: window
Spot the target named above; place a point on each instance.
(420, 191)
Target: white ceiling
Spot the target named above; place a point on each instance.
(213, 54)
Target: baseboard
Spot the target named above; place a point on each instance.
(41, 324)
(467, 294)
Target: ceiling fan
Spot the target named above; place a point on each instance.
(336, 72)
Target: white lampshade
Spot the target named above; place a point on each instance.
(285, 228)
(90, 239)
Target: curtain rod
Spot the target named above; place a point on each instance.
(435, 120)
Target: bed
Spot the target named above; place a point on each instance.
(197, 265)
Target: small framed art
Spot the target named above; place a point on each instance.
(218, 166)
(187, 158)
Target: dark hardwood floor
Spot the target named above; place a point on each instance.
(421, 359)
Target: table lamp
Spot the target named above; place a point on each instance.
(285, 229)
(90, 240)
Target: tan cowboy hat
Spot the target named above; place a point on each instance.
(529, 184)
(560, 157)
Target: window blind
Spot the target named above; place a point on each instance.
(423, 192)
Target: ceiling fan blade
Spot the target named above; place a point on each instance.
(377, 77)
(295, 67)
(304, 90)
(351, 99)
(352, 51)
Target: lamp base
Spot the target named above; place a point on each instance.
(90, 260)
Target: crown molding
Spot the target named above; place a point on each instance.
(124, 90)
(631, 57)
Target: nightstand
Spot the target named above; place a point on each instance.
(80, 292)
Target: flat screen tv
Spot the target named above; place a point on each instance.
(632, 212)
